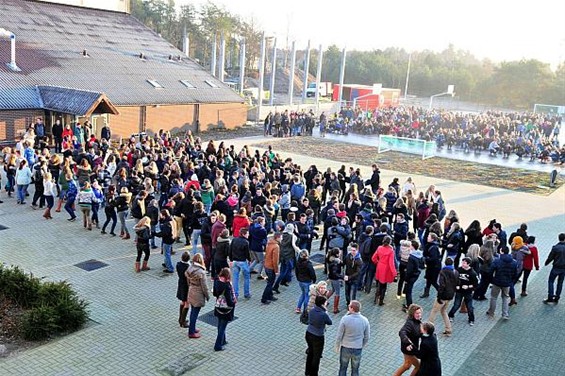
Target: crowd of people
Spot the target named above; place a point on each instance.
(527, 135)
(261, 214)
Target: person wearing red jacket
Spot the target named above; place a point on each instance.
(529, 262)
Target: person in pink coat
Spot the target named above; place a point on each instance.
(383, 258)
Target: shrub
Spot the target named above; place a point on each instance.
(20, 287)
(71, 311)
(52, 307)
(39, 323)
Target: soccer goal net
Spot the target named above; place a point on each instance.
(423, 148)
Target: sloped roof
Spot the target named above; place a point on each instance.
(73, 101)
(51, 38)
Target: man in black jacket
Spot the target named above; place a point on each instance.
(468, 281)
(58, 135)
(240, 257)
(375, 180)
(447, 284)
(557, 256)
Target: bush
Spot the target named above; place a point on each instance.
(70, 310)
(20, 287)
(52, 307)
(39, 323)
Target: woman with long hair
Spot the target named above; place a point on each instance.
(225, 306)
(23, 180)
(182, 288)
(122, 206)
(143, 235)
(48, 194)
(197, 292)
(383, 258)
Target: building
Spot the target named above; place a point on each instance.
(79, 63)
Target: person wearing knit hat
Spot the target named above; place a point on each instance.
(289, 228)
(519, 252)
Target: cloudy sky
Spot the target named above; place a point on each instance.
(494, 29)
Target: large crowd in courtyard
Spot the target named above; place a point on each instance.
(233, 215)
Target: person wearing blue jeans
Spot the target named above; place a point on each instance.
(286, 270)
(353, 334)
(240, 257)
(166, 233)
(197, 292)
(242, 266)
(305, 275)
(224, 289)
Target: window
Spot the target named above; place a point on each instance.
(211, 84)
(155, 84)
(188, 84)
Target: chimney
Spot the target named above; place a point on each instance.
(12, 64)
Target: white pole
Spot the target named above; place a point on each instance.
(318, 76)
(407, 76)
(241, 65)
(341, 77)
(221, 66)
(261, 77)
(291, 76)
(273, 73)
(213, 60)
(13, 53)
(306, 65)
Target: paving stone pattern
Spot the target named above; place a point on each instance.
(134, 328)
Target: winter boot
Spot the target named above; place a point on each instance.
(47, 213)
(377, 296)
(513, 302)
(145, 267)
(336, 304)
(126, 236)
(463, 308)
(182, 319)
(59, 203)
(137, 268)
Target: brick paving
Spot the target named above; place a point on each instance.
(134, 332)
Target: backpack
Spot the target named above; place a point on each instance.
(421, 263)
(365, 249)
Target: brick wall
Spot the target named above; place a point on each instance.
(177, 117)
(14, 122)
(170, 118)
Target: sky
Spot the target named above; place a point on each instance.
(494, 29)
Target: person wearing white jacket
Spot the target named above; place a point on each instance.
(49, 194)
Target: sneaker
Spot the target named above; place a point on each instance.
(549, 300)
(247, 297)
(274, 299)
(446, 333)
(297, 310)
(168, 271)
(260, 277)
(506, 317)
(254, 272)
(524, 293)
(265, 302)
(195, 335)
(471, 323)
(398, 297)
(72, 219)
(103, 232)
(490, 315)
(451, 319)
(276, 291)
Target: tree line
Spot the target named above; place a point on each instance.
(510, 84)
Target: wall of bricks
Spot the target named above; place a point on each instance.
(170, 118)
(15, 122)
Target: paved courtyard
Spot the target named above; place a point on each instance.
(134, 328)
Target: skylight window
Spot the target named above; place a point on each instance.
(155, 84)
(211, 84)
(187, 84)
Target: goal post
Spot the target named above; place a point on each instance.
(423, 148)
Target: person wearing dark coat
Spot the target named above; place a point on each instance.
(375, 179)
(430, 364)
(182, 289)
(223, 288)
(410, 340)
(432, 256)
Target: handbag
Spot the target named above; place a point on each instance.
(304, 317)
(221, 305)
